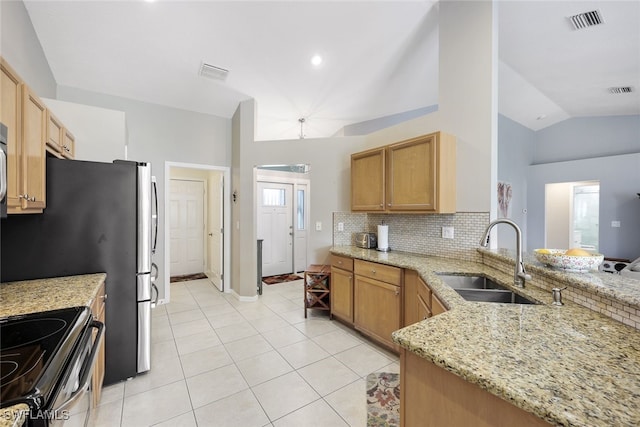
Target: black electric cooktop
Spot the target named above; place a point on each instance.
(34, 349)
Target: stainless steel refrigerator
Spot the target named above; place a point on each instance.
(99, 218)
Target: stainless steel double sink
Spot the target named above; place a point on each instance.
(482, 289)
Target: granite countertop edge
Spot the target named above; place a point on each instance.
(527, 359)
(32, 296)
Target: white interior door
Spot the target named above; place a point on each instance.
(187, 227)
(216, 230)
(275, 227)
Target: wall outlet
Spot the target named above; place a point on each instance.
(447, 232)
(318, 226)
(615, 224)
(341, 226)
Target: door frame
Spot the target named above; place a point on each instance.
(297, 179)
(226, 241)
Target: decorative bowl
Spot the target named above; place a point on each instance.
(556, 258)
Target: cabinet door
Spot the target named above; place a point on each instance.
(98, 311)
(368, 180)
(377, 308)
(34, 134)
(422, 309)
(342, 294)
(11, 116)
(68, 145)
(437, 306)
(412, 175)
(55, 132)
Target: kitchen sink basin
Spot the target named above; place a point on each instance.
(483, 289)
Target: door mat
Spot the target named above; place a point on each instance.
(383, 399)
(187, 277)
(280, 278)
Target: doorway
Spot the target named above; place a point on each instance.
(275, 227)
(572, 211)
(196, 220)
(186, 221)
(282, 212)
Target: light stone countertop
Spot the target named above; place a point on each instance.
(568, 365)
(31, 296)
(13, 416)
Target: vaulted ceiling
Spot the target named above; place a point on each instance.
(378, 58)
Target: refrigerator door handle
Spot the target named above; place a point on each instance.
(3, 174)
(154, 301)
(154, 215)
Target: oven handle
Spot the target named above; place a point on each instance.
(86, 377)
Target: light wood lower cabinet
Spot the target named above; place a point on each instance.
(378, 300)
(98, 311)
(342, 294)
(420, 302)
(434, 397)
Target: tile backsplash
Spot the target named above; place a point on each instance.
(418, 233)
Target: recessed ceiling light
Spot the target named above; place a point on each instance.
(316, 60)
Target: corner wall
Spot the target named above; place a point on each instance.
(20, 46)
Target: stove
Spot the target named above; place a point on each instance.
(46, 360)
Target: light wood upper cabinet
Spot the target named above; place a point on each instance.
(68, 145)
(416, 175)
(34, 134)
(60, 141)
(368, 180)
(55, 131)
(11, 116)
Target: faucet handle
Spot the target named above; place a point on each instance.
(557, 295)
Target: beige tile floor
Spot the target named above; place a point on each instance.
(220, 362)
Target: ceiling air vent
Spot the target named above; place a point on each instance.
(586, 19)
(212, 72)
(621, 89)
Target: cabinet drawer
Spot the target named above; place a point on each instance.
(342, 262)
(382, 272)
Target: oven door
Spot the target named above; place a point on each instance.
(74, 396)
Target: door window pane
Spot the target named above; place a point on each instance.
(273, 197)
(300, 211)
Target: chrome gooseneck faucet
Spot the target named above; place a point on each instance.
(519, 275)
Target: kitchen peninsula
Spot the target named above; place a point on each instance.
(566, 365)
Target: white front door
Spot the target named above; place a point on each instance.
(275, 227)
(187, 227)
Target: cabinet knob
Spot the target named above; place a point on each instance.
(373, 271)
(397, 292)
(388, 204)
(382, 205)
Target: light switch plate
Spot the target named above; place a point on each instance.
(447, 232)
(615, 224)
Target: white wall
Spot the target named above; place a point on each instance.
(619, 177)
(100, 134)
(20, 46)
(158, 134)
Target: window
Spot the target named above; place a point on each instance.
(301, 210)
(273, 197)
